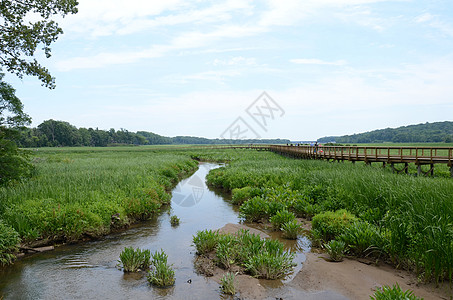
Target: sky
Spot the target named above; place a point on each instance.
(295, 69)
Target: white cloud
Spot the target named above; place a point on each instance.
(424, 18)
(235, 61)
(314, 61)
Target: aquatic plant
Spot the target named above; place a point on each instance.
(363, 238)
(9, 241)
(240, 195)
(87, 191)
(335, 249)
(329, 224)
(227, 284)
(226, 250)
(280, 218)
(161, 274)
(291, 230)
(270, 265)
(174, 221)
(393, 293)
(135, 260)
(254, 210)
(262, 258)
(205, 241)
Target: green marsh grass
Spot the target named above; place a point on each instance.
(135, 260)
(88, 192)
(174, 221)
(259, 257)
(335, 249)
(393, 293)
(280, 218)
(227, 284)
(161, 274)
(291, 230)
(414, 214)
(205, 241)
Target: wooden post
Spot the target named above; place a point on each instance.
(393, 167)
(419, 170)
(451, 170)
(432, 170)
(406, 168)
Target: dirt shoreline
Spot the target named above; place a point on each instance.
(321, 279)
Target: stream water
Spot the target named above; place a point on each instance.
(89, 270)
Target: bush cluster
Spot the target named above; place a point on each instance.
(403, 219)
(259, 257)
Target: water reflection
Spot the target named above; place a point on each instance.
(89, 270)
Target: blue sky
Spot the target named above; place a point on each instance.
(193, 67)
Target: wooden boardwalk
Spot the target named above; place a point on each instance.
(396, 157)
(386, 155)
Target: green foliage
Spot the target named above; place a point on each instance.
(205, 241)
(239, 195)
(280, 218)
(227, 250)
(87, 191)
(9, 241)
(393, 293)
(272, 262)
(291, 230)
(254, 210)
(174, 221)
(261, 258)
(20, 37)
(227, 284)
(14, 163)
(420, 133)
(135, 260)
(335, 249)
(332, 224)
(363, 238)
(161, 274)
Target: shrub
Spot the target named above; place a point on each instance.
(329, 224)
(362, 238)
(227, 284)
(291, 230)
(9, 240)
(261, 258)
(174, 221)
(393, 293)
(299, 208)
(240, 195)
(226, 250)
(335, 249)
(249, 244)
(135, 260)
(205, 241)
(161, 274)
(270, 266)
(254, 210)
(280, 218)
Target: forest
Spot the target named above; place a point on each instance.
(52, 133)
(436, 132)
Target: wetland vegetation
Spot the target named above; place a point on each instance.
(80, 193)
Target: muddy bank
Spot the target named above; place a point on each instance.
(359, 280)
(321, 279)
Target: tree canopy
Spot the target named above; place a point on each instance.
(20, 37)
(13, 161)
(421, 133)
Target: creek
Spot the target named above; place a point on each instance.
(89, 270)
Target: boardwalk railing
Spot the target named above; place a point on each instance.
(386, 155)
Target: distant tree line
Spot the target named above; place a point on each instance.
(53, 133)
(421, 133)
